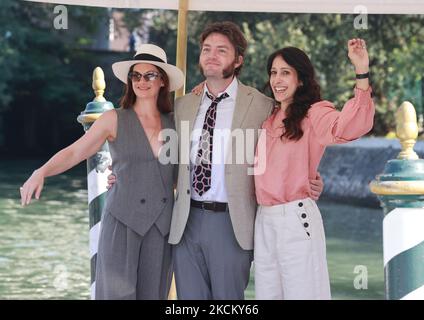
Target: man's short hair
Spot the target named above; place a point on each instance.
(232, 32)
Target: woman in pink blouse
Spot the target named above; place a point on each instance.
(290, 251)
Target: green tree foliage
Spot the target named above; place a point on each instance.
(40, 82)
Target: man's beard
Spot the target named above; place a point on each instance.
(228, 72)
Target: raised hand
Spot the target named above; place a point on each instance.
(358, 55)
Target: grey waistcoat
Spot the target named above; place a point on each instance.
(143, 192)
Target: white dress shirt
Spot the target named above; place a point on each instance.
(221, 136)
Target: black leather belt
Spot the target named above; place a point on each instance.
(210, 205)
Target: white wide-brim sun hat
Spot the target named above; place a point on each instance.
(152, 54)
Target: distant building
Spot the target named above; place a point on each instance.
(119, 36)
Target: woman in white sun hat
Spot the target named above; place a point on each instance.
(134, 257)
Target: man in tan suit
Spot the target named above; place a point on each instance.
(215, 206)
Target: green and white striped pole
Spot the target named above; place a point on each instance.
(400, 189)
(97, 169)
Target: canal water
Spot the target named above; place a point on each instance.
(44, 252)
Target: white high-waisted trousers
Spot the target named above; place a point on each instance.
(290, 253)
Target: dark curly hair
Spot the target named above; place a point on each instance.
(305, 95)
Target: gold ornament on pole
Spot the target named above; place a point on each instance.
(99, 84)
(407, 130)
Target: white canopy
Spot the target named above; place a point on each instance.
(293, 6)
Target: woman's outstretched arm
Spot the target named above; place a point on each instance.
(102, 129)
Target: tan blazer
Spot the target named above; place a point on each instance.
(251, 109)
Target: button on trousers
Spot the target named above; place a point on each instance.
(290, 252)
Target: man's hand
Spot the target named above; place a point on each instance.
(197, 90)
(111, 179)
(316, 187)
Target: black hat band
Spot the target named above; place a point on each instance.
(146, 56)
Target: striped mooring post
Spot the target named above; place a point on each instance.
(97, 168)
(400, 189)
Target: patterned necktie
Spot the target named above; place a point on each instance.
(203, 166)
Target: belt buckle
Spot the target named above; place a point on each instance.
(207, 203)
